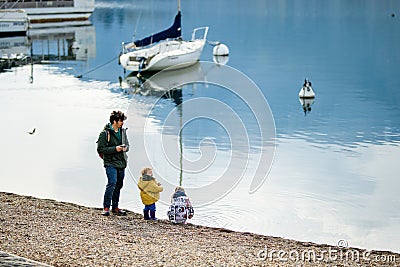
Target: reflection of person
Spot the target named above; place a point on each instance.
(181, 209)
(149, 193)
(112, 145)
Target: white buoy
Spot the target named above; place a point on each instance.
(306, 92)
(221, 50)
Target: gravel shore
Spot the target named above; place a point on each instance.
(65, 234)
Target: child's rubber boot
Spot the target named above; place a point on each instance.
(146, 215)
(153, 215)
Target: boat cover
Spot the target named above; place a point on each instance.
(172, 32)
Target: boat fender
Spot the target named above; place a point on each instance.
(220, 50)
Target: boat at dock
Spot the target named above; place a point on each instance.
(13, 22)
(40, 11)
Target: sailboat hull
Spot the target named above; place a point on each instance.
(163, 55)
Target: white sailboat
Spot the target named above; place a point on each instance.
(164, 49)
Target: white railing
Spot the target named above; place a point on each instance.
(195, 33)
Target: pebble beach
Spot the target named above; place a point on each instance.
(44, 232)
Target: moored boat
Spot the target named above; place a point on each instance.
(165, 49)
(13, 22)
(52, 10)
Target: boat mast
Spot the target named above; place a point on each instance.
(179, 5)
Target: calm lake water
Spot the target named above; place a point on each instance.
(335, 169)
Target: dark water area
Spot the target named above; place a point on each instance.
(334, 174)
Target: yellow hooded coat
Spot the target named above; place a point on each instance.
(149, 189)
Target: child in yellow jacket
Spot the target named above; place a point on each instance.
(149, 193)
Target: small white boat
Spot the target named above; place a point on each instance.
(51, 10)
(306, 91)
(13, 22)
(164, 49)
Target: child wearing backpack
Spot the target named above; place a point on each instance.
(149, 193)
